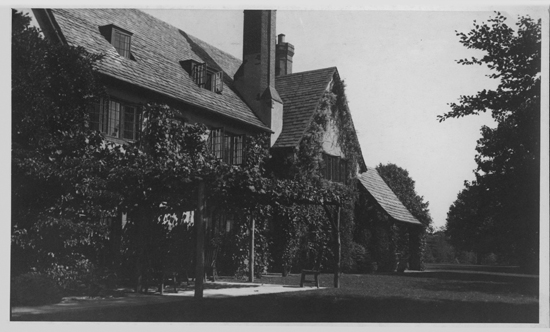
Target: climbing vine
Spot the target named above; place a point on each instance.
(305, 235)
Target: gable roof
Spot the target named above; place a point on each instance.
(157, 48)
(387, 199)
(301, 93)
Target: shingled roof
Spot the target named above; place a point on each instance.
(157, 48)
(301, 93)
(387, 199)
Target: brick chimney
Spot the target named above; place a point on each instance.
(255, 79)
(283, 57)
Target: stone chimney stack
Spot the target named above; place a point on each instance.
(255, 79)
(283, 55)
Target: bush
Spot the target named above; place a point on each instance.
(358, 260)
(34, 289)
(73, 279)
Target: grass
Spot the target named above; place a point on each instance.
(440, 296)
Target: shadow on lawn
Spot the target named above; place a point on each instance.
(318, 306)
(483, 283)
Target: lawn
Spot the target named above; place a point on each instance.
(440, 296)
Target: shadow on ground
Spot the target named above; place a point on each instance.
(483, 283)
(318, 306)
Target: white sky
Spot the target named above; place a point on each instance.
(400, 71)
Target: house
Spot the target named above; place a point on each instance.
(147, 60)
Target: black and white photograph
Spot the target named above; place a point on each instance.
(271, 163)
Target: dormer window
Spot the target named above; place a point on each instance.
(203, 76)
(214, 81)
(121, 39)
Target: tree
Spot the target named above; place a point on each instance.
(468, 227)
(409, 241)
(402, 185)
(52, 88)
(508, 156)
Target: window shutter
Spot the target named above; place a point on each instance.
(217, 85)
(199, 74)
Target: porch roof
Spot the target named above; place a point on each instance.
(385, 197)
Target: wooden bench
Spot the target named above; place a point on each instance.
(310, 272)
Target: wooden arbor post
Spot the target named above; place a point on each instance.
(251, 259)
(338, 252)
(199, 226)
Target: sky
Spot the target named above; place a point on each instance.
(401, 73)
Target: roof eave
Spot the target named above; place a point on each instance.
(262, 128)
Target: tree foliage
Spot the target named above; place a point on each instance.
(408, 241)
(467, 227)
(52, 88)
(402, 185)
(508, 156)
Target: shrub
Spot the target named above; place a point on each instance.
(73, 279)
(358, 260)
(34, 289)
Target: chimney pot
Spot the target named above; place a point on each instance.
(284, 53)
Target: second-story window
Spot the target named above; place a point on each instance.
(226, 146)
(335, 168)
(116, 119)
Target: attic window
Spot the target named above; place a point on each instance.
(203, 76)
(119, 38)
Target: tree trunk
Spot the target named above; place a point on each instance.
(199, 226)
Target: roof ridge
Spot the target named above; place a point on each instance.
(308, 71)
(188, 34)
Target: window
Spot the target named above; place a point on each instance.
(335, 168)
(116, 119)
(121, 42)
(203, 76)
(215, 142)
(226, 146)
(119, 38)
(214, 81)
(199, 74)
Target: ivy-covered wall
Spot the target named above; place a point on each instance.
(302, 236)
